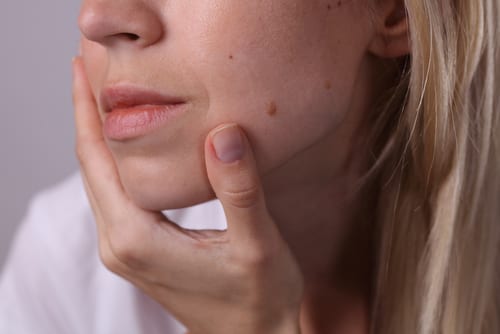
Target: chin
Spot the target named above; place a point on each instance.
(164, 186)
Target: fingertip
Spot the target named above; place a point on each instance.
(228, 143)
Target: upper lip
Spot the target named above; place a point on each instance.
(127, 96)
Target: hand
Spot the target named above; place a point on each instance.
(243, 280)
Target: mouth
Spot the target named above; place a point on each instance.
(132, 112)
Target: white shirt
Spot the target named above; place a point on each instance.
(54, 282)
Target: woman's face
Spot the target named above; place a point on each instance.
(284, 70)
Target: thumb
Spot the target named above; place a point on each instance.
(234, 178)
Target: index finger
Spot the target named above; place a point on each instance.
(127, 227)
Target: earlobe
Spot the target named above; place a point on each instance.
(392, 35)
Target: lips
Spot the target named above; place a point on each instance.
(124, 97)
(132, 112)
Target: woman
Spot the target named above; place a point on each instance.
(352, 146)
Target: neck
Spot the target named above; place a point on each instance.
(328, 220)
(318, 215)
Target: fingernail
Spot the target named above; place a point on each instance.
(228, 143)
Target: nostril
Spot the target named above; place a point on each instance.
(130, 36)
(126, 36)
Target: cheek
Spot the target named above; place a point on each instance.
(286, 80)
(283, 114)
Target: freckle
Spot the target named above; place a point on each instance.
(328, 84)
(272, 110)
(339, 3)
(329, 6)
(230, 56)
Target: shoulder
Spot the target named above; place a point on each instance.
(57, 218)
(65, 200)
(53, 251)
(59, 221)
(54, 281)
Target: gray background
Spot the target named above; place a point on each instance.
(39, 39)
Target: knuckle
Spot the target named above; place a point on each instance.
(128, 248)
(109, 260)
(254, 273)
(254, 264)
(243, 198)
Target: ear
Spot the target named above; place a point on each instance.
(392, 35)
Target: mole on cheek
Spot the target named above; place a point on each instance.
(328, 85)
(272, 109)
(230, 57)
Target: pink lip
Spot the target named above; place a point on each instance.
(132, 112)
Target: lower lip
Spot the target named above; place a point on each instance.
(137, 121)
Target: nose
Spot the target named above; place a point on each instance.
(120, 22)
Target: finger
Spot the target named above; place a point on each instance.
(233, 175)
(94, 157)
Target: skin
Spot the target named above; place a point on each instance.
(296, 79)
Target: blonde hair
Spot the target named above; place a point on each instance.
(438, 159)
